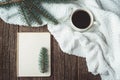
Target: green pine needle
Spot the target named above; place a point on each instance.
(9, 4)
(45, 13)
(34, 15)
(43, 60)
(24, 13)
(32, 10)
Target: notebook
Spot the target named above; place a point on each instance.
(29, 45)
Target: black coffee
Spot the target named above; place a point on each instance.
(81, 19)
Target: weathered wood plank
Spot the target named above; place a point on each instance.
(32, 29)
(71, 71)
(83, 71)
(6, 54)
(13, 51)
(1, 55)
(58, 57)
(67, 67)
(74, 67)
(92, 77)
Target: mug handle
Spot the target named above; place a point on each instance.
(96, 23)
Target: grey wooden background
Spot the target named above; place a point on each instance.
(64, 67)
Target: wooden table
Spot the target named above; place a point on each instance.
(64, 67)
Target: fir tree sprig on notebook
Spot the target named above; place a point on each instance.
(43, 60)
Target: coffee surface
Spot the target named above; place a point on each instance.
(81, 19)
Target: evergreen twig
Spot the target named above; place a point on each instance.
(44, 12)
(10, 3)
(32, 10)
(24, 13)
(43, 60)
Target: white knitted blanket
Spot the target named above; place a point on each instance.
(100, 45)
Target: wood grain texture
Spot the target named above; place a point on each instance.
(64, 66)
(1, 28)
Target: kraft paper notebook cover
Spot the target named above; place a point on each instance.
(29, 45)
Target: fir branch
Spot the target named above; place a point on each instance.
(36, 16)
(43, 60)
(10, 3)
(36, 10)
(44, 12)
(24, 13)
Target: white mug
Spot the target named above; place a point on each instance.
(90, 15)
